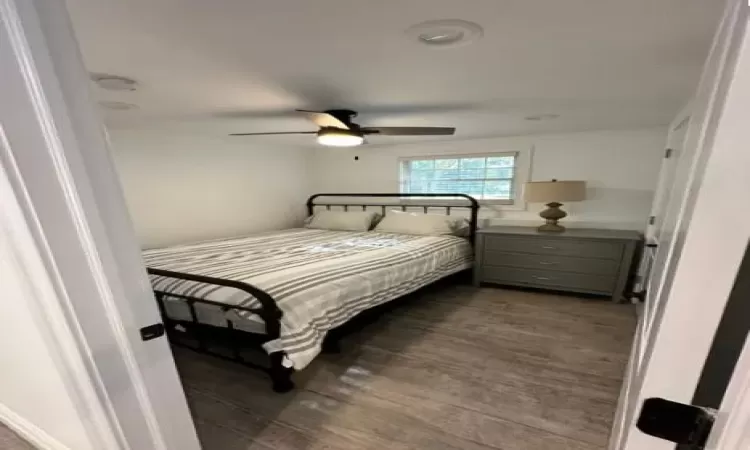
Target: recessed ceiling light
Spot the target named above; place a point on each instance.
(114, 82)
(441, 37)
(539, 117)
(445, 33)
(117, 106)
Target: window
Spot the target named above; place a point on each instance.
(490, 177)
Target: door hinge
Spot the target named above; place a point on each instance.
(152, 331)
(652, 220)
(668, 153)
(686, 425)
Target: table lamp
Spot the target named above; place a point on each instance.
(552, 193)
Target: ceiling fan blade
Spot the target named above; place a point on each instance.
(323, 119)
(276, 132)
(409, 131)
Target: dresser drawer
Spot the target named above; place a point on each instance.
(561, 247)
(549, 279)
(551, 262)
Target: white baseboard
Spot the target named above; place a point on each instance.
(27, 430)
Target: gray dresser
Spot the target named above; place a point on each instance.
(576, 260)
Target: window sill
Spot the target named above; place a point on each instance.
(499, 206)
(455, 202)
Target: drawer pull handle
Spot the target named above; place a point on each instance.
(545, 263)
(541, 278)
(549, 247)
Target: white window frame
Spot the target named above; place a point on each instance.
(521, 174)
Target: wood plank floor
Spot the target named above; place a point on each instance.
(455, 367)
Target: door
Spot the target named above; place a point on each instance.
(77, 235)
(732, 428)
(700, 244)
(725, 380)
(667, 172)
(658, 231)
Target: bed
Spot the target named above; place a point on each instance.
(292, 287)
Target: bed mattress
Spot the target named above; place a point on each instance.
(319, 278)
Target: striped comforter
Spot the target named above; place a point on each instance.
(319, 278)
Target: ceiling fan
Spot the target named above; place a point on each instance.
(338, 130)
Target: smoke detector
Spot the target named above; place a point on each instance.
(114, 82)
(448, 33)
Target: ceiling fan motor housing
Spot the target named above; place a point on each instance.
(344, 115)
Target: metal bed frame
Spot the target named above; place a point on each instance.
(269, 310)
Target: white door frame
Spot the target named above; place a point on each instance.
(25, 263)
(732, 428)
(57, 161)
(712, 234)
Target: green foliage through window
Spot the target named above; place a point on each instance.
(483, 177)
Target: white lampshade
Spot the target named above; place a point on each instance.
(554, 191)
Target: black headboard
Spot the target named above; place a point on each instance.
(450, 201)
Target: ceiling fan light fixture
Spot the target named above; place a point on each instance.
(339, 138)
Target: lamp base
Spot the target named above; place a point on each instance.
(551, 215)
(551, 228)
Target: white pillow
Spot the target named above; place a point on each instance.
(421, 224)
(342, 220)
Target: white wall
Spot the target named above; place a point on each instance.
(620, 167)
(184, 188)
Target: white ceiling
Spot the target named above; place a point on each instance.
(224, 66)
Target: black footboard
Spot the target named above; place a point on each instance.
(269, 311)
